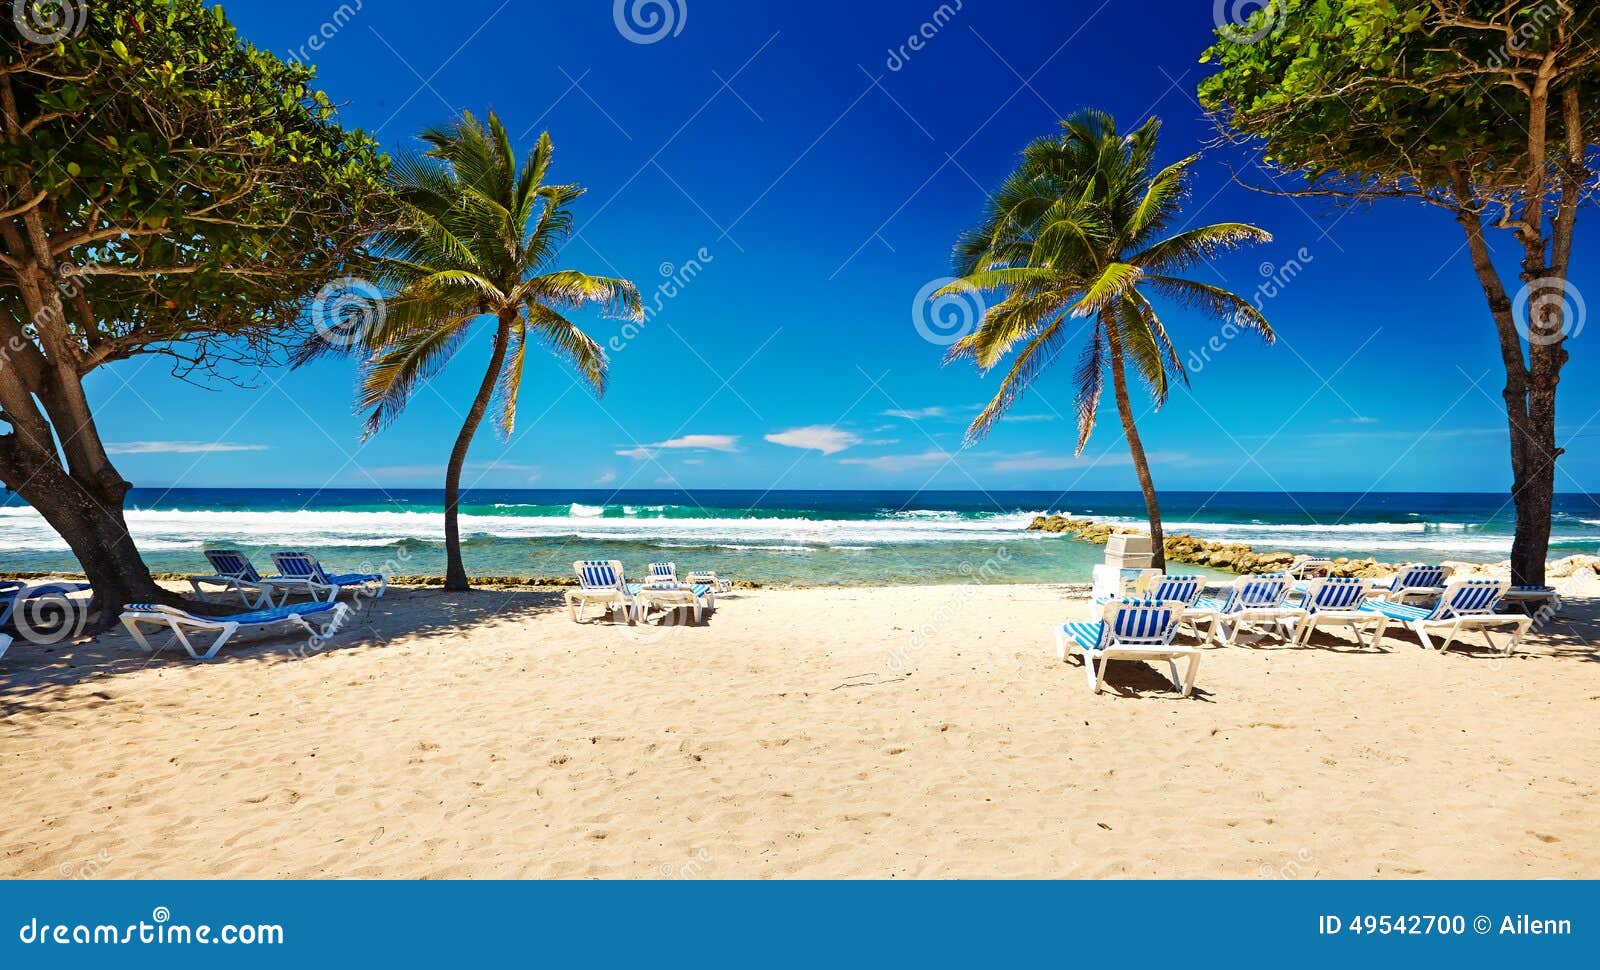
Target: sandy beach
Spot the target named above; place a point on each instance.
(871, 732)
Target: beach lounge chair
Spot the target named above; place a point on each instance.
(1533, 599)
(697, 597)
(710, 579)
(1130, 630)
(303, 568)
(1413, 583)
(1465, 604)
(1184, 589)
(184, 624)
(237, 574)
(1331, 601)
(667, 573)
(13, 593)
(1310, 567)
(663, 572)
(1252, 602)
(601, 581)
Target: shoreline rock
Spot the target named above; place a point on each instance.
(1236, 557)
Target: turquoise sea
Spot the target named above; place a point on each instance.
(802, 537)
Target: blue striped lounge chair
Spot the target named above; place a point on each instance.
(1252, 602)
(709, 578)
(1333, 601)
(1415, 582)
(697, 597)
(667, 573)
(1184, 589)
(1131, 629)
(1310, 567)
(1533, 599)
(183, 624)
(601, 581)
(13, 593)
(304, 569)
(235, 573)
(1465, 604)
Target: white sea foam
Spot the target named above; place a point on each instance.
(22, 529)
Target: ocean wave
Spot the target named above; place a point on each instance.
(24, 530)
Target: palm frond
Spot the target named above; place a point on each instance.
(1192, 246)
(569, 341)
(1040, 353)
(1214, 301)
(397, 370)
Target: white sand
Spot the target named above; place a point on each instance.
(911, 732)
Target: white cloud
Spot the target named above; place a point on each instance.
(177, 447)
(916, 414)
(1358, 419)
(898, 463)
(816, 437)
(1037, 463)
(692, 442)
(704, 442)
(606, 477)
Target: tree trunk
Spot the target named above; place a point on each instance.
(94, 528)
(1130, 430)
(455, 574)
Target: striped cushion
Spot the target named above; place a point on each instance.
(253, 618)
(300, 565)
(1337, 594)
(1184, 589)
(1397, 611)
(232, 564)
(352, 579)
(1268, 590)
(1420, 577)
(1087, 635)
(598, 574)
(1140, 620)
(1473, 598)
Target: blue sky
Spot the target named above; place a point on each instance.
(810, 169)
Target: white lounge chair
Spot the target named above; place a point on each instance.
(1130, 630)
(601, 581)
(1414, 582)
(1533, 599)
(15, 592)
(1183, 589)
(698, 597)
(1252, 601)
(666, 573)
(1465, 604)
(237, 574)
(1332, 601)
(1310, 567)
(302, 567)
(182, 623)
(709, 578)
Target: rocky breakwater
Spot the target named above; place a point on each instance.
(1231, 557)
(1239, 558)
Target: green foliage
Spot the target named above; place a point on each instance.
(1078, 231)
(1386, 94)
(198, 187)
(476, 236)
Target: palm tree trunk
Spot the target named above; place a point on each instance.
(1130, 430)
(455, 574)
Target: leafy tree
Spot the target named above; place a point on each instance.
(1080, 231)
(168, 190)
(1483, 108)
(476, 238)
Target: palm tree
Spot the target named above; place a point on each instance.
(1079, 231)
(474, 239)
